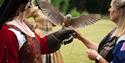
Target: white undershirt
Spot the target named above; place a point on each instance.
(20, 37)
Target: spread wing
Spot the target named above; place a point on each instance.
(51, 12)
(83, 20)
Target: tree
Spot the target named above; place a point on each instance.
(92, 6)
(78, 4)
(105, 4)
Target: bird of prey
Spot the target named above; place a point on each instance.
(58, 18)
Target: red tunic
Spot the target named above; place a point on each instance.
(9, 47)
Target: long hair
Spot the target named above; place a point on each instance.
(120, 6)
(9, 9)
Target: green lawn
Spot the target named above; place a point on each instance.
(76, 51)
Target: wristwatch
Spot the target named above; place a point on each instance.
(98, 57)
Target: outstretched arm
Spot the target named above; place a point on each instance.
(88, 43)
(53, 41)
(92, 48)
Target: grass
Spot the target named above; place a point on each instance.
(76, 51)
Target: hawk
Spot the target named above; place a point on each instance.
(58, 18)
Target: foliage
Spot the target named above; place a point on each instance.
(60, 4)
(79, 5)
(1, 2)
(74, 12)
(91, 6)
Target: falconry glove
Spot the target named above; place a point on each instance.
(63, 36)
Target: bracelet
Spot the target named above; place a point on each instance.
(98, 57)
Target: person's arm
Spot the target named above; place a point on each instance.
(53, 41)
(88, 43)
(94, 55)
(44, 45)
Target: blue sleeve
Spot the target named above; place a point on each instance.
(119, 52)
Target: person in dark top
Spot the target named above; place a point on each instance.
(112, 47)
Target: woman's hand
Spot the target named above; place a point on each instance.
(93, 54)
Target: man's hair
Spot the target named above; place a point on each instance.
(9, 9)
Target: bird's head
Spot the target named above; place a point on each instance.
(69, 16)
(67, 21)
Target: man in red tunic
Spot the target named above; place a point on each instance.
(18, 43)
